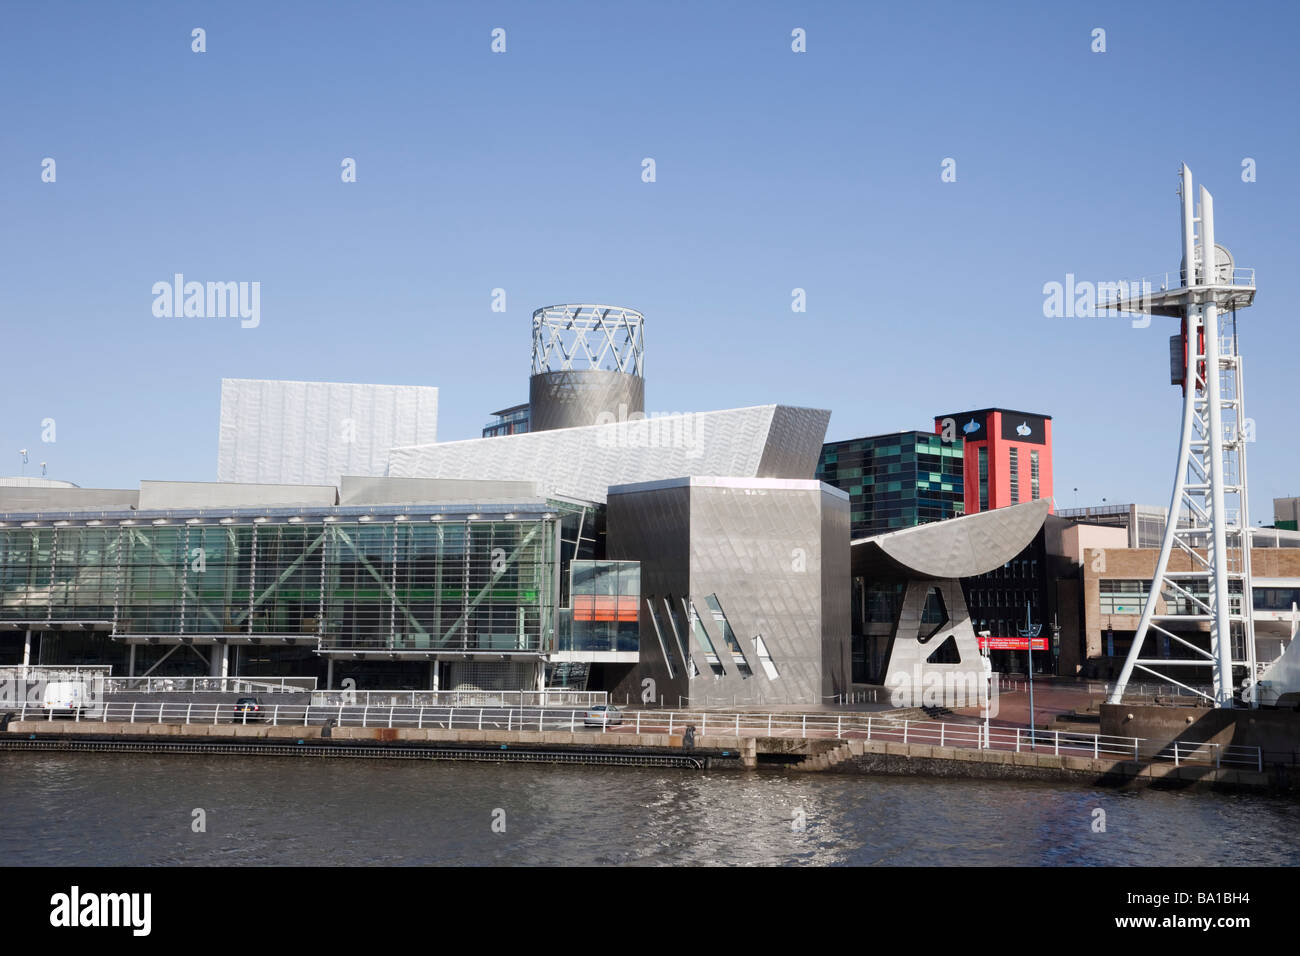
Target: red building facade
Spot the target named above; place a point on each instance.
(1008, 456)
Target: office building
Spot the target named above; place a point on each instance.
(896, 480)
(1144, 525)
(1007, 455)
(507, 421)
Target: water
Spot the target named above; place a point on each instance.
(100, 809)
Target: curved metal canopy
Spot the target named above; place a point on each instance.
(955, 548)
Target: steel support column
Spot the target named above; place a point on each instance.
(1220, 627)
(1212, 541)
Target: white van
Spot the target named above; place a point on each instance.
(65, 696)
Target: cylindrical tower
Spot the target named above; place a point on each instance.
(587, 366)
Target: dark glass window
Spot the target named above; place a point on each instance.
(984, 478)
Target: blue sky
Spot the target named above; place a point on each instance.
(522, 171)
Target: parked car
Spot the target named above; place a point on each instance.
(248, 710)
(602, 715)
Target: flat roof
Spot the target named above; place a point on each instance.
(1112, 509)
(295, 381)
(982, 411)
(883, 435)
(489, 510)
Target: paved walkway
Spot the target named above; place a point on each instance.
(1050, 701)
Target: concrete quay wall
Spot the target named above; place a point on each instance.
(856, 756)
(893, 758)
(545, 739)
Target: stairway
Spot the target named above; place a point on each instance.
(828, 759)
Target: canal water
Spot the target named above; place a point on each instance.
(102, 809)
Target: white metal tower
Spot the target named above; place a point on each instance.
(1207, 534)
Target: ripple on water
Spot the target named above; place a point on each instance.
(99, 809)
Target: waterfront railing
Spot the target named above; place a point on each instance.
(843, 727)
(49, 672)
(214, 685)
(553, 697)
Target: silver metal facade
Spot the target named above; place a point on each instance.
(914, 641)
(743, 586)
(959, 547)
(572, 399)
(775, 441)
(313, 433)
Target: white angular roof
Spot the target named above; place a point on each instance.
(765, 441)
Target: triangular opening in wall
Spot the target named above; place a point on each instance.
(934, 615)
(946, 653)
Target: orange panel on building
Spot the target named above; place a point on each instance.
(604, 607)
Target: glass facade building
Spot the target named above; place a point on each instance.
(508, 421)
(896, 480)
(604, 607)
(387, 583)
(352, 583)
(999, 599)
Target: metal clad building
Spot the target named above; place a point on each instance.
(588, 365)
(743, 586)
(770, 441)
(313, 433)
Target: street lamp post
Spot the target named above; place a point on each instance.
(986, 653)
(1029, 632)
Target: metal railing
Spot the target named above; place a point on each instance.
(1135, 691)
(553, 697)
(1170, 281)
(867, 696)
(709, 702)
(217, 685)
(54, 671)
(524, 644)
(843, 727)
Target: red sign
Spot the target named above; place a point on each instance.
(1012, 643)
